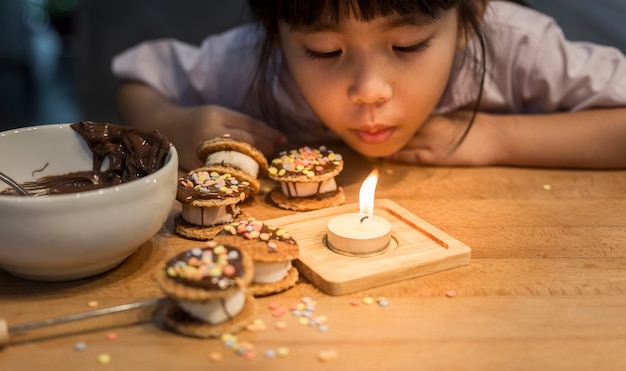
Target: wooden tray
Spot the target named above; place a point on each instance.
(417, 248)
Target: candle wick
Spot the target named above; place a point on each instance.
(363, 218)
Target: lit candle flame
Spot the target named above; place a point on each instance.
(366, 194)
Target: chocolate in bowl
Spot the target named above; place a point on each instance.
(132, 153)
(76, 235)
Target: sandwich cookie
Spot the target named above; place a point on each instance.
(210, 198)
(230, 152)
(307, 179)
(271, 249)
(207, 288)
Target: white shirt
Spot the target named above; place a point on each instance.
(531, 68)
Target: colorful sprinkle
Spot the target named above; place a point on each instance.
(214, 185)
(253, 229)
(216, 357)
(306, 161)
(80, 346)
(450, 293)
(104, 358)
(280, 325)
(111, 336)
(214, 266)
(327, 355)
(282, 351)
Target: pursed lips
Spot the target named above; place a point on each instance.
(372, 134)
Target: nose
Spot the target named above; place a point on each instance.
(370, 83)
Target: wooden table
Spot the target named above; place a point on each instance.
(545, 288)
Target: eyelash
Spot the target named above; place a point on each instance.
(319, 55)
(413, 48)
(400, 49)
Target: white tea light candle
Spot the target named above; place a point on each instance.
(360, 233)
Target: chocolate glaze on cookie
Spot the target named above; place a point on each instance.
(305, 161)
(258, 231)
(212, 268)
(211, 185)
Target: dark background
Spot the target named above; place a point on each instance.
(55, 54)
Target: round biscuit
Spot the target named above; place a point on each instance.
(194, 232)
(179, 321)
(264, 289)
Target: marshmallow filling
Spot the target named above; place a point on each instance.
(270, 272)
(210, 216)
(234, 159)
(215, 311)
(292, 189)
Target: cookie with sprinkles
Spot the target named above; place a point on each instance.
(210, 198)
(207, 286)
(307, 179)
(231, 152)
(272, 250)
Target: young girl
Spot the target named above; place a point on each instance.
(449, 82)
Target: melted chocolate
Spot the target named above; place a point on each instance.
(133, 153)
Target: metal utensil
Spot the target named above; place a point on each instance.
(5, 331)
(15, 185)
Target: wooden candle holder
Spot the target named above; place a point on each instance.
(417, 248)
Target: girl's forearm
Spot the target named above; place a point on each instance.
(586, 139)
(141, 106)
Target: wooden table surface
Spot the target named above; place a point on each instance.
(545, 288)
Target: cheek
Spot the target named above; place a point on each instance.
(323, 93)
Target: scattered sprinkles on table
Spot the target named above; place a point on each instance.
(305, 161)
(305, 312)
(381, 301)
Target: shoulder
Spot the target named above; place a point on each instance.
(242, 37)
(535, 68)
(508, 20)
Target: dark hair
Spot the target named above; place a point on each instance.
(303, 13)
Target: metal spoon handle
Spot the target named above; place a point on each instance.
(15, 185)
(5, 330)
(77, 316)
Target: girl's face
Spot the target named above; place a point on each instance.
(373, 83)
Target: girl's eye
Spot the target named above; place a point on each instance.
(322, 55)
(413, 48)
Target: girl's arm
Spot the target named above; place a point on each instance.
(586, 139)
(141, 106)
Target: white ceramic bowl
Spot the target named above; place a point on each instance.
(71, 236)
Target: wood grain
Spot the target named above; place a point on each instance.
(545, 288)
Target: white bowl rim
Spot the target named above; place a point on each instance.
(171, 156)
